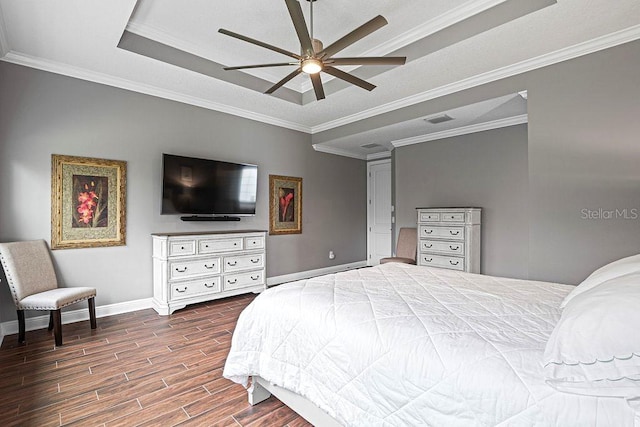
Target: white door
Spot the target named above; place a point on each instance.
(378, 211)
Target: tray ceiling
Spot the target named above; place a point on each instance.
(171, 49)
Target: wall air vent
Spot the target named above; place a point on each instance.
(439, 119)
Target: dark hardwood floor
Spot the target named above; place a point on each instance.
(136, 369)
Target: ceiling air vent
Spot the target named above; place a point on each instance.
(439, 119)
(371, 146)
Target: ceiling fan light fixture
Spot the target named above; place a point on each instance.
(311, 66)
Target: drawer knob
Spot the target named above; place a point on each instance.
(454, 248)
(253, 243)
(255, 277)
(181, 290)
(181, 271)
(428, 246)
(209, 266)
(235, 244)
(454, 263)
(182, 247)
(206, 285)
(255, 261)
(428, 259)
(232, 263)
(206, 246)
(231, 282)
(454, 233)
(428, 231)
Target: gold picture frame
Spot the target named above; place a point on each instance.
(285, 205)
(87, 202)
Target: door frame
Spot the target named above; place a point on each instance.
(369, 205)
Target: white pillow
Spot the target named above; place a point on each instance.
(595, 347)
(610, 271)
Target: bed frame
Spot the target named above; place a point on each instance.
(262, 389)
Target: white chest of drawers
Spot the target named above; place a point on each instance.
(194, 267)
(449, 238)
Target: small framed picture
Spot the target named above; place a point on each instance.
(285, 205)
(87, 202)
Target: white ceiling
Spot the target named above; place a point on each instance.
(451, 45)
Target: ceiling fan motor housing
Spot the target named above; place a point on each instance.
(317, 46)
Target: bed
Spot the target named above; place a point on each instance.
(398, 344)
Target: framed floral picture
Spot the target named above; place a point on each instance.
(87, 202)
(285, 205)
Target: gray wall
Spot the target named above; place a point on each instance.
(42, 114)
(583, 153)
(487, 170)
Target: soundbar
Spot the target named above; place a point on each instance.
(209, 218)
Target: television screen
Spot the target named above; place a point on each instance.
(200, 186)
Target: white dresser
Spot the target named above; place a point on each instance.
(196, 267)
(449, 238)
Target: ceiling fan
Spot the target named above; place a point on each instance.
(315, 58)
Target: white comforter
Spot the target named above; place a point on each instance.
(400, 345)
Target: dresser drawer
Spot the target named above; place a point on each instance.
(242, 262)
(243, 280)
(453, 248)
(184, 269)
(429, 217)
(452, 217)
(182, 247)
(254, 242)
(219, 245)
(202, 286)
(452, 233)
(450, 262)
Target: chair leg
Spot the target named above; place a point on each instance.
(50, 327)
(21, 326)
(92, 312)
(57, 326)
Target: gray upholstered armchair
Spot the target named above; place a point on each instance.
(34, 286)
(407, 247)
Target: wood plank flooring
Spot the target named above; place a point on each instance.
(136, 369)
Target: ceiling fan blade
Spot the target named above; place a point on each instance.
(355, 35)
(317, 86)
(295, 11)
(348, 78)
(244, 67)
(283, 81)
(258, 42)
(368, 60)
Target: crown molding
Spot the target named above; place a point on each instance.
(611, 40)
(346, 153)
(600, 43)
(96, 77)
(439, 23)
(464, 130)
(378, 156)
(4, 39)
(338, 151)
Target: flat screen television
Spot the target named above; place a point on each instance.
(208, 187)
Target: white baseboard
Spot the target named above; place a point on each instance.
(276, 280)
(40, 322)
